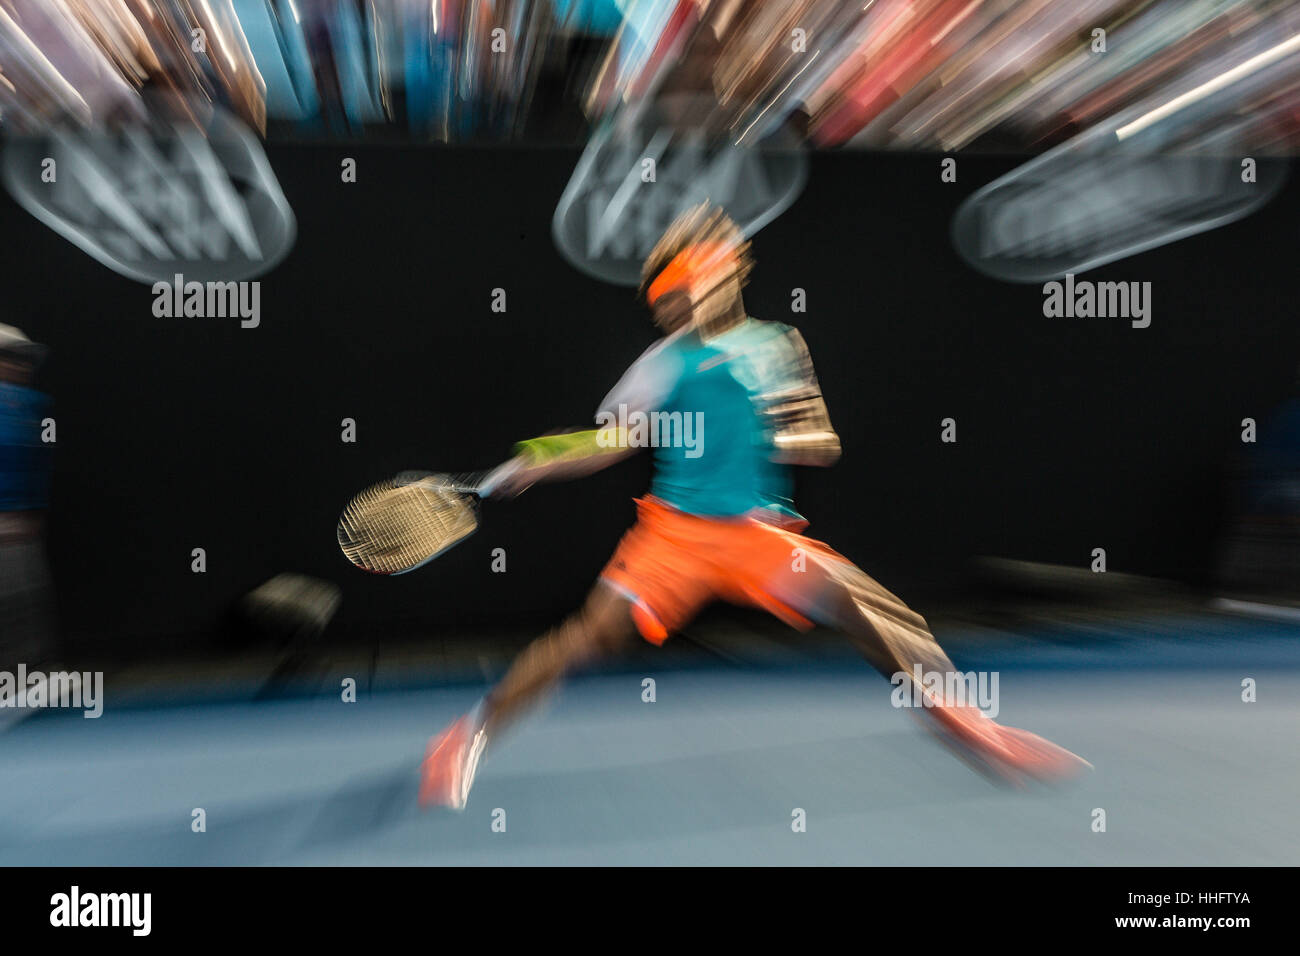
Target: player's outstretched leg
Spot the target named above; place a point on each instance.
(602, 627)
(897, 641)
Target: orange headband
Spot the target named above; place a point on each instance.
(690, 265)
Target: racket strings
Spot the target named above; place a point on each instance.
(393, 528)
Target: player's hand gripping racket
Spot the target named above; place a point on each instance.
(405, 522)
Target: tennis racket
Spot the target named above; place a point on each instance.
(405, 522)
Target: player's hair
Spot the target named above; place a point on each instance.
(705, 223)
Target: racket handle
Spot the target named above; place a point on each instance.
(494, 477)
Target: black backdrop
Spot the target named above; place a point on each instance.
(181, 433)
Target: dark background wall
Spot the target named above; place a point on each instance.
(181, 433)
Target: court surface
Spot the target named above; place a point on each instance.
(711, 772)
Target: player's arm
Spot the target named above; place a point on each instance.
(801, 423)
(561, 457)
(644, 386)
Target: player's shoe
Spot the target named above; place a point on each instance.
(1041, 759)
(451, 762)
(1008, 754)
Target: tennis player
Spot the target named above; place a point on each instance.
(719, 522)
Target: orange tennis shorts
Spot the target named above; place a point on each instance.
(672, 564)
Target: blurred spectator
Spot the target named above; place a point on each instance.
(26, 631)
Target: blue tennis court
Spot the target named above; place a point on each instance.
(711, 772)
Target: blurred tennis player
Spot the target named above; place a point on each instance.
(719, 523)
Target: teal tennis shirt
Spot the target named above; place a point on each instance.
(701, 408)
